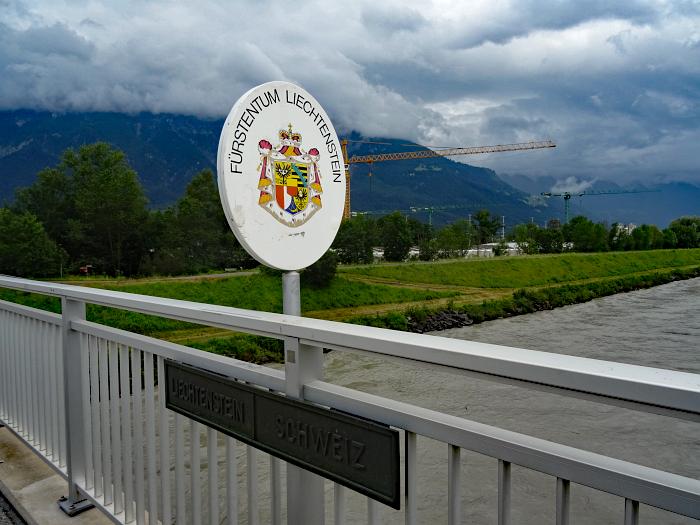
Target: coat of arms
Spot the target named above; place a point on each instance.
(290, 182)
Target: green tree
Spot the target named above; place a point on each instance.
(395, 236)
(93, 205)
(456, 239)
(25, 248)
(525, 235)
(51, 199)
(670, 239)
(110, 207)
(321, 273)
(195, 233)
(486, 226)
(585, 235)
(355, 239)
(549, 240)
(687, 231)
(646, 237)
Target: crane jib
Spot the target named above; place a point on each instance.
(428, 153)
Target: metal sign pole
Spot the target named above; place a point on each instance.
(305, 496)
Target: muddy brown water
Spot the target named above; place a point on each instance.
(658, 327)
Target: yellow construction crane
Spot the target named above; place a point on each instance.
(426, 154)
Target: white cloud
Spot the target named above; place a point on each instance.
(614, 84)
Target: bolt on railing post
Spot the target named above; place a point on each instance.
(305, 496)
(76, 452)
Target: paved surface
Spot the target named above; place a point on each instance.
(33, 488)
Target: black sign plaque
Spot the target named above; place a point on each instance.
(360, 454)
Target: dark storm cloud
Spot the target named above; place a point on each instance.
(383, 20)
(615, 84)
(531, 15)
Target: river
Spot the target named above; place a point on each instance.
(658, 327)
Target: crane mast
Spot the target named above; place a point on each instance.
(567, 197)
(429, 153)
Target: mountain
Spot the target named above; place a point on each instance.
(165, 150)
(168, 150)
(658, 203)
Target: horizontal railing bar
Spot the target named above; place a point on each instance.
(260, 375)
(41, 315)
(644, 385)
(647, 485)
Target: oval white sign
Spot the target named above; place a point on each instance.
(281, 175)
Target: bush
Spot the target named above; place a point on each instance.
(321, 273)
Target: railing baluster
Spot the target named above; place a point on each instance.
(563, 501)
(61, 393)
(95, 409)
(25, 376)
(44, 390)
(54, 387)
(104, 416)
(411, 465)
(372, 512)
(339, 501)
(453, 490)
(276, 490)
(231, 482)
(138, 435)
(4, 379)
(631, 512)
(503, 492)
(151, 423)
(34, 356)
(115, 424)
(180, 469)
(251, 459)
(166, 513)
(195, 472)
(87, 416)
(127, 442)
(213, 471)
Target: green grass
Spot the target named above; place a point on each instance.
(532, 300)
(264, 292)
(520, 272)
(255, 292)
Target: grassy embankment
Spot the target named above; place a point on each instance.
(517, 285)
(254, 292)
(396, 295)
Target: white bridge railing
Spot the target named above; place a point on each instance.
(86, 398)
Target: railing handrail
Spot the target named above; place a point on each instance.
(645, 388)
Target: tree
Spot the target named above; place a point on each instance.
(687, 231)
(525, 235)
(670, 239)
(585, 235)
(320, 274)
(51, 199)
(195, 235)
(93, 205)
(646, 237)
(110, 207)
(549, 240)
(486, 226)
(354, 240)
(395, 236)
(25, 248)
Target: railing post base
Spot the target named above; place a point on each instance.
(74, 508)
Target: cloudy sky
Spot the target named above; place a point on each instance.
(615, 84)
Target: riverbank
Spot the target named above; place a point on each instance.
(523, 301)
